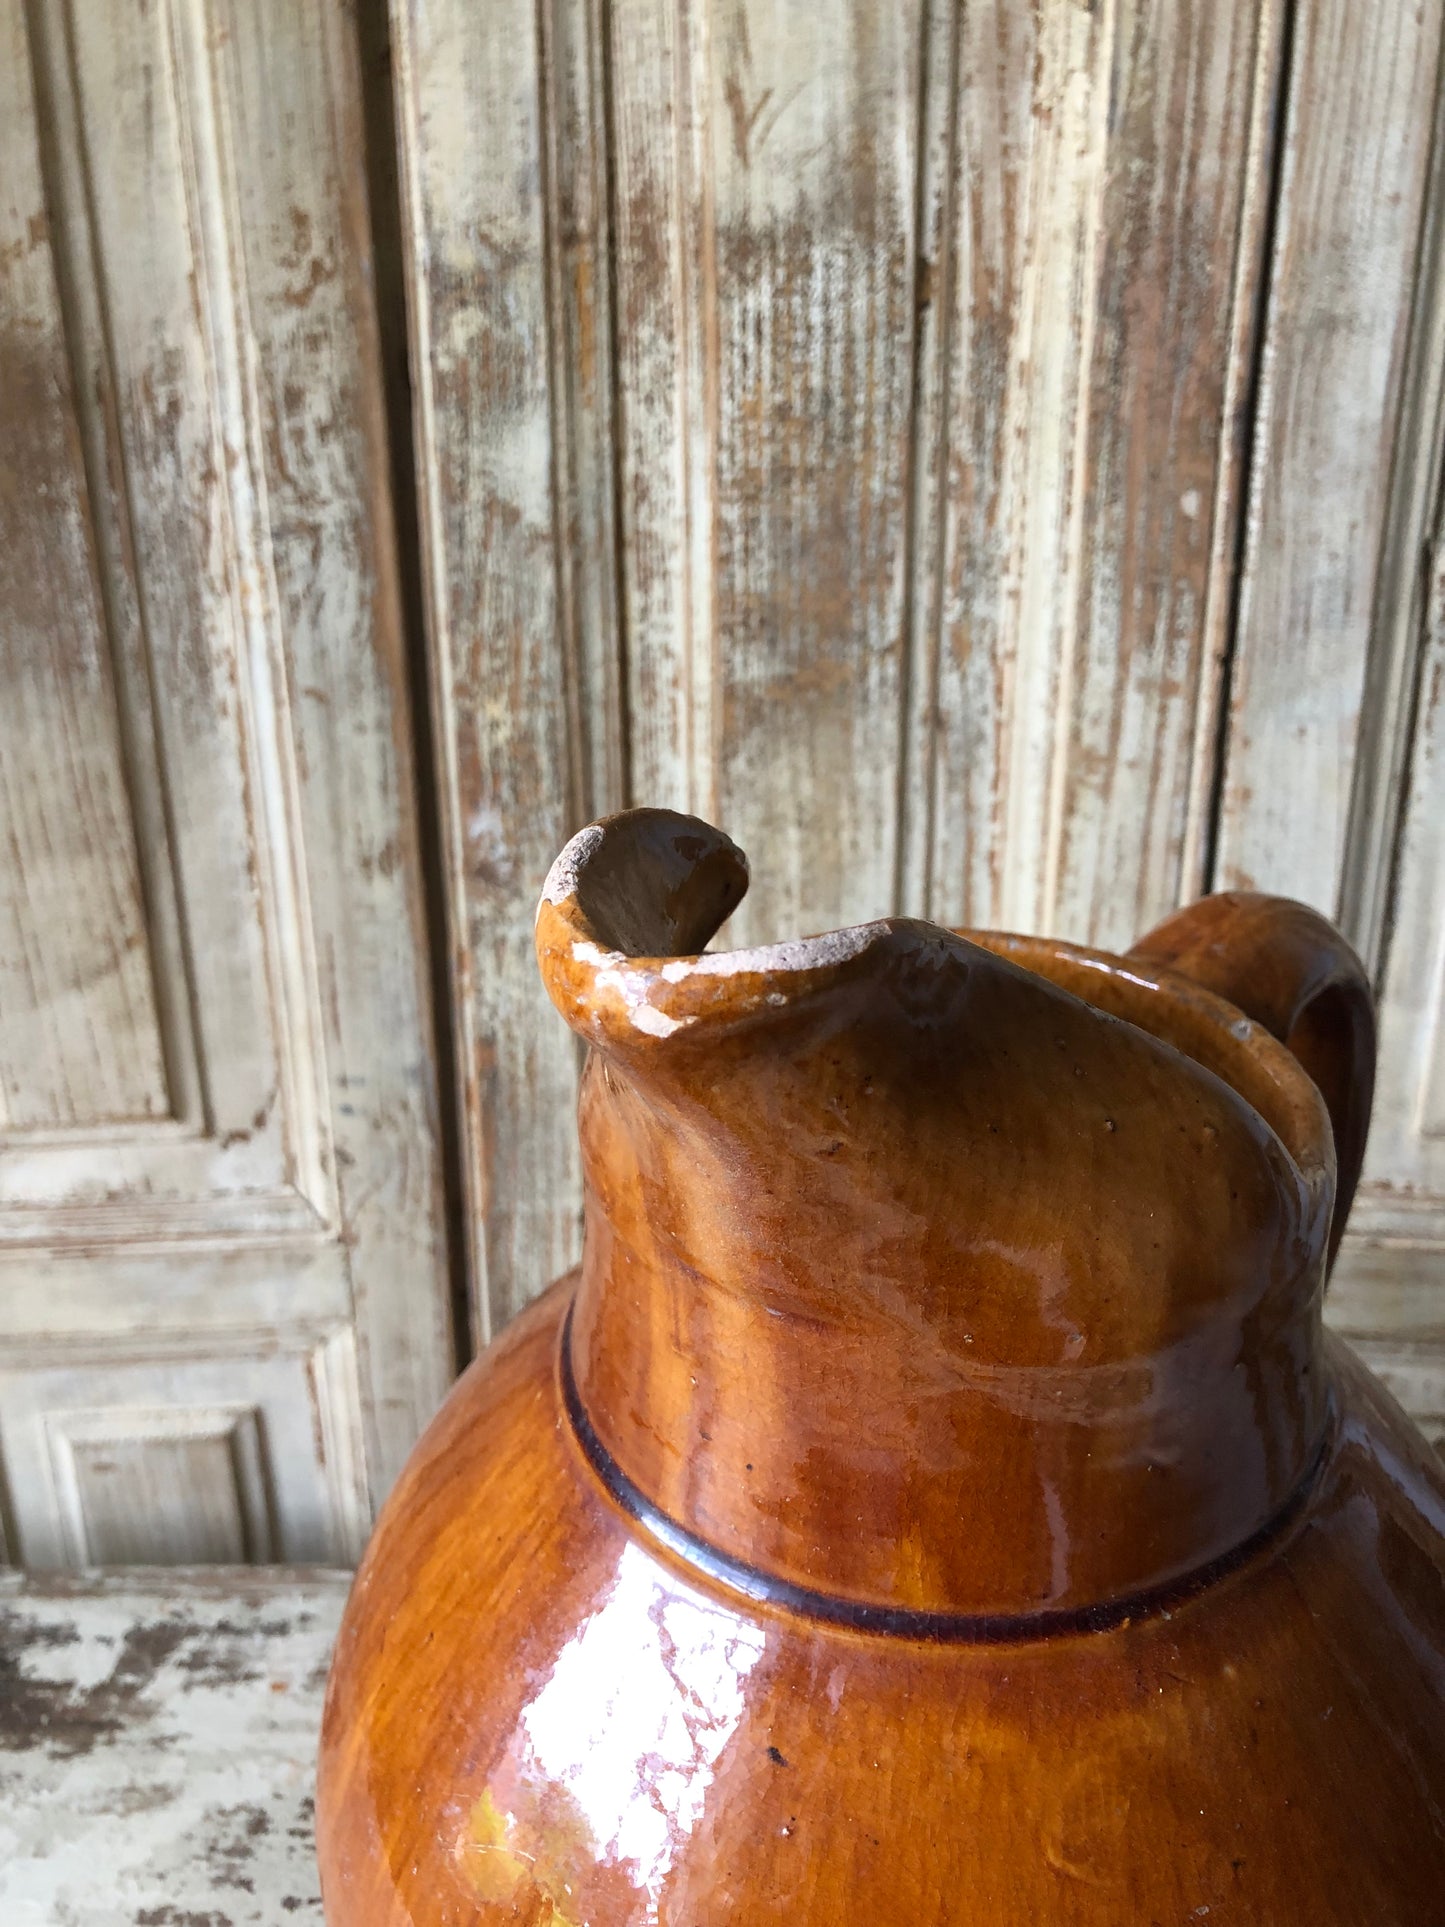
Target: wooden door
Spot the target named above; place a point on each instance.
(223, 1297)
(979, 455)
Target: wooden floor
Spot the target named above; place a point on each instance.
(157, 1746)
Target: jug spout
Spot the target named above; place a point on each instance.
(919, 1284)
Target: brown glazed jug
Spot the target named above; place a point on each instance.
(935, 1501)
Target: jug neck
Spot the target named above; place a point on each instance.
(915, 1289)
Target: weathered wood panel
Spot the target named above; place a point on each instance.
(1389, 1290)
(1407, 1148)
(79, 1035)
(302, 222)
(1417, 1379)
(1359, 121)
(1330, 785)
(165, 1488)
(663, 232)
(474, 96)
(919, 447)
(222, 1453)
(172, 1719)
(200, 651)
(1100, 257)
(274, 1223)
(766, 168)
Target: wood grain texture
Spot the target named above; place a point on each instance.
(80, 1041)
(1404, 585)
(279, 1224)
(1330, 777)
(172, 1718)
(170, 300)
(472, 93)
(1099, 246)
(1360, 118)
(1408, 1147)
(663, 231)
(1391, 1295)
(1413, 1375)
(303, 221)
(216, 1452)
(162, 1488)
(835, 419)
(765, 170)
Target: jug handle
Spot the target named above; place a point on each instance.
(1289, 969)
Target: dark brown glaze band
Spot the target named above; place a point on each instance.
(903, 1622)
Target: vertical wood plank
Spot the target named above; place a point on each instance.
(581, 295)
(192, 587)
(1406, 578)
(1389, 1285)
(1031, 99)
(1179, 234)
(476, 90)
(1103, 274)
(1407, 1136)
(1360, 118)
(659, 129)
(302, 225)
(79, 1034)
(903, 362)
(815, 133)
(766, 183)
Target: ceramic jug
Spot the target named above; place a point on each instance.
(936, 1498)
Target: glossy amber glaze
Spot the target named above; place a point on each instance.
(935, 1498)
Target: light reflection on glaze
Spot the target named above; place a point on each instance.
(943, 1170)
(624, 1737)
(1217, 1750)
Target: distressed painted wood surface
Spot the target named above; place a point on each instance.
(223, 1271)
(1390, 1293)
(980, 455)
(509, 625)
(158, 1737)
(927, 327)
(80, 1038)
(244, 1447)
(766, 166)
(1330, 787)
(1333, 417)
(1101, 271)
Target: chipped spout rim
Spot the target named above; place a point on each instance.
(623, 997)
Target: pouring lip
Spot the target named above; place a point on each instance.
(623, 997)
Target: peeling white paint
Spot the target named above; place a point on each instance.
(162, 1766)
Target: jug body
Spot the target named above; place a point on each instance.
(936, 1495)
